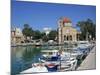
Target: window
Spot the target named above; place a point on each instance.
(64, 37)
(67, 37)
(70, 37)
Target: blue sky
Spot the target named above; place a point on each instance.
(40, 15)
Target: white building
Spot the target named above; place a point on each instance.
(16, 36)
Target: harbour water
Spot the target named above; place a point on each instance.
(23, 57)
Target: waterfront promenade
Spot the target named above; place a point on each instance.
(90, 61)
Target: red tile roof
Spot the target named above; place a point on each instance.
(66, 20)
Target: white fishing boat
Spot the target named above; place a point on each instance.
(49, 53)
(54, 62)
(68, 61)
(68, 65)
(84, 46)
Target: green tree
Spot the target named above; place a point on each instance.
(37, 35)
(27, 30)
(52, 35)
(87, 28)
(45, 38)
(43, 34)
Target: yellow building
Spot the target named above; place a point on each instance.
(66, 31)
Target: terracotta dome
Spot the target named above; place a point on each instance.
(66, 20)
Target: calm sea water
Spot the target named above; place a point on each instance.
(23, 57)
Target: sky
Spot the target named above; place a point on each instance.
(40, 15)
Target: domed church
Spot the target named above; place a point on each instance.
(66, 31)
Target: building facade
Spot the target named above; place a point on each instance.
(16, 36)
(66, 31)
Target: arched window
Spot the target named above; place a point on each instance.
(70, 37)
(67, 37)
(64, 37)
